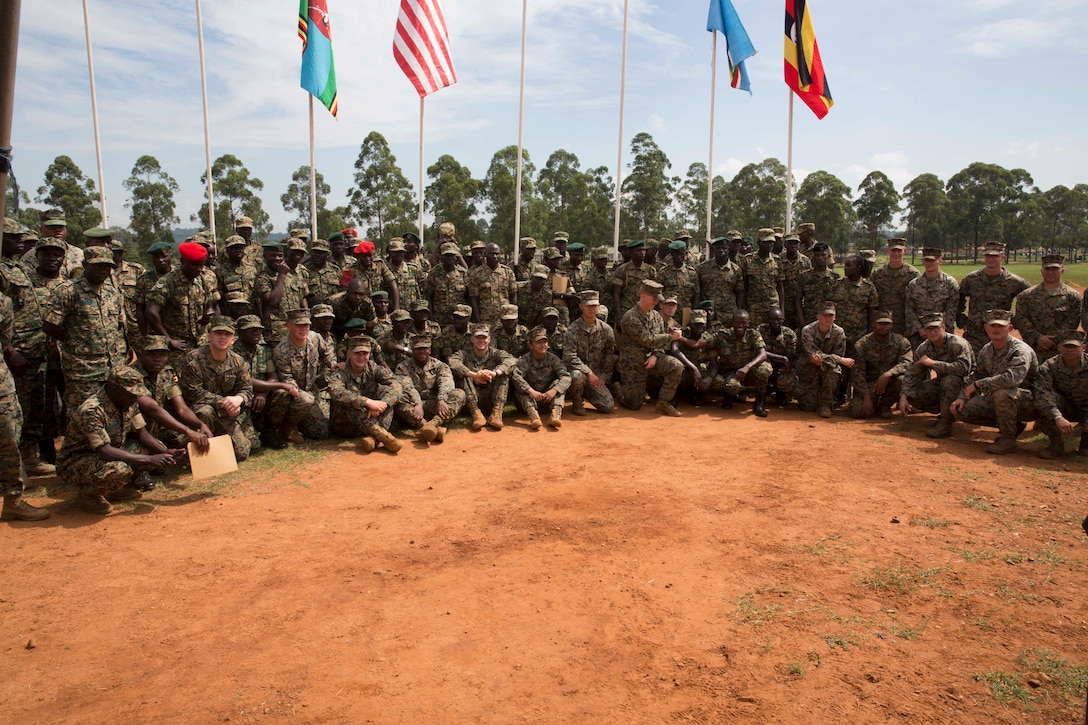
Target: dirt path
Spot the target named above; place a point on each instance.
(713, 568)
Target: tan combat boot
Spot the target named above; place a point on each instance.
(387, 439)
(478, 420)
(367, 444)
(428, 431)
(942, 428)
(1002, 445)
(33, 464)
(495, 421)
(577, 405)
(665, 408)
(534, 419)
(556, 420)
(1054, 450)
(16, 509)
(440, 434)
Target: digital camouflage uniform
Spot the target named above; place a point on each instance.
(935, 393)
(274, 317)
(628, 278)
(816, 287)
(986, 292)
(643, 334)
(445, 290)
(394, 358)
(873, 358)
(430, 328)
(1040, 311)
(54, 377)
(587, 348)
(164, 388)
(29, 304)
(127, 278)
(377, 277)
(261, 367)
(941, 294)
(891, 288)
(853, 300)
(349, 393)
(240, 278)
(791, 283)
(492, 289)
(1061, 392)
(309, 367)
(1003, 379)
(784, 344)
(450, 341)
(816, 383)
(720, 284)
(734, 353)
(11, 415)
(531, 303)
(515, 344)
(409, 281)
(343, 311)
(489, 396)
(601, 282)
(70, 268)
(95, 423)
(427, 385)
(541, 375)
(701, 359)
(763, 276)
(682, 281)
(205, 382)
(324, 282)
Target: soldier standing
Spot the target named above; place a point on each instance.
(446, 285)
(763, 279)
(932, 291)
(891, 282)
(1047, 308)
(991, 288)
(490, 286)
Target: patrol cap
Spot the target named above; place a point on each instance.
(826, 308)
(354, 323)
(932, 253)
(599, 253)
(538, 333)
(779, 231)
(652, 288)
(322, 311)
(29, 235)
(420, 306)
(678, 246)
(320, 245)
(400, 315)
(509, 312)
(670, 300)
(248, 322)
(478, 244)
(576, 247)
(481, 331)
(295, 244)
(449, 248)
(1053, 260)
(806, 227)
(549, 312)
(540, 273)
(360, 344)
(1070, 337)
(528, 243)
(129, 378)
(883, 316)
(869, 254)
(237, 297)
(997, 317)
(931, 319)
(336, 237)
(396, 244)
(271, 245)
(299, 317)
(698, 317)
(791, 239)
(682, 234)
(49, 242)
(651, 244)
(462, 311)
(12, 227)
(993, 248)
(897, 243)
(560, 237)
(97, 255)
(766, 234)
(221, 323)
(419, 341)
(232, 241)
(636, 244)
(446, 229)
(116, 246)
(590, 297)
(299, 233)
(52, 218)
(153, 343)
(378, 293)
(243, 221)
(733, 235)
(552, 253)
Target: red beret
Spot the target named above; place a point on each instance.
(193, 252)
(364, 247)
(349, 232)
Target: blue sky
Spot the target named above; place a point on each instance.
(921, 86)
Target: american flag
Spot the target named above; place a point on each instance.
(421, 46)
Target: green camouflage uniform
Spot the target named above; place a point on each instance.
(791, 283)
(426, 385)
(164, 388)
(531, 304)
(816, 287)
(853, 300)
(514, 345)
(343, 311)
(29, 304)
(450, 341)
(349, 393)
(734, 353)
(377, 277)
(643, 334)
(393, 359)
(540, 375)
(873, 359)
(935, 394)
(324, 282)
(11, 415)
(409, 281)
(682, 281)
(601, 282)
(784, 344)
(986, 293)
(240, 278)
(309, 367)
(763, 276)
(815, 387)
(891, 288)
(127, 278)
(95, 423)
(1061, 392)
(206, 382)
(720, 284)
(1003, 379)
(274, 317)
(628, 278)
(445, 290)
(701, 359)
(183, 304)
(70, 268)
(54, 377)
(594, 348)
(1040, 311)
(493, 288)
(941, 294)
(487, 396)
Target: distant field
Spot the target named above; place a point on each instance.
(1075, 274)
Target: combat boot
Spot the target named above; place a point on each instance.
(94, 503)
(759, 407)
(824, 411)
(292, 434)
(727, 401)
(534, 419)
(47, 451)
(577, 405)
(428, 431)
(557, 418)
(439, 434)
(1002, 445)
(16, 509)
(696, 398)
(34, 465)
(780, 397)
(478, 421)
(381, 435)
(941, 429)
(367, 444)
(665, 408)
(495, 421)
(1054, 450)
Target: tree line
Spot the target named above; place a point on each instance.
(980, 203)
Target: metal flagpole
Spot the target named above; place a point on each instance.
(207, 132)
(94, 116)
(521, 123)
(789, 171)
(9, 31)
(619, 153)
(710, 162)
(313, 175)
(421, 237)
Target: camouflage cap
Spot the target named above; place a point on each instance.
(993, 248)
(538, 333)
(670, 299)
(295, 244)
(243, 221)
(52, 218)
(155, 343)
(299, 233)
(236, 297)
(806, 227)
(540, 273)
(234, 241)
(552, 253)
(361, 343)
(897, 243)
(599, 253)
(652, 288)
(29, 235)
(528, 243)
(560, 237)
(97, 255)
(766, 234)
(931, 319)
(590, 297)
(419, 306)
(678, 246)
(549, 312)
(698, 317)
(446, 229)
(221, 323)
(116, 246)
(791, 239)
(419, 341)
(682, 234)
(652, 244)
(248, 322)
(462, 311)
(396, 244)
(98, 233)
(129, 378)
(298, 317)
(319, 245)
(509, 312)
(779, 231)
(400, 315)
(997, 317)
(883, 316)
(50, 242)
(449, 248)
(932, 253)
(478, 244)
(733, 235)
(868, 254)
(1070, 337)
(12, 227)
(826, 308)
(1053, 260)
(322, 311)
(481, 331)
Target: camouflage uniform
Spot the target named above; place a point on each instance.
(817, 286)
(784, 344)
(791, 283)
(628, 278)
(377, 277)
(95, 423)
(427, 385)
(450, 342)
(409, 281)
(701, 359)
(643, 334)
(853, 300)
(589, 348)
(1061, 392)
(324, 282)
(183, 304)
(891, 288)
(349, 393)
(309, 367)
(164, 388)
(986, 293)
(445, 290)
(343, 311)
(720, 284)
(816, 383)
(54, 377)
(1003, 379)
(430, 328)
(1040, 311)
(11, 415)
(93, 321)
(734, 353)
(873, 359)
(487, 396)
(515, 345)
(393, 359)
(935, 394)
(261, 367)
(941, 294)
(28, 305)
(682, 281)
(206, 382)
(240, 278)
(531, 304)
(127, 278)
(70, 268)
(598, 281)
(493, 288)
(540, 375)
(274, 317)
(763, 276)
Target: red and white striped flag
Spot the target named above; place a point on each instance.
(421, 46)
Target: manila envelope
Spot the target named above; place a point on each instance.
(218, 460)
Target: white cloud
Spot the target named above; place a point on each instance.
(656, 123)
(729, 168)
(1009, 37)
(1030, 149)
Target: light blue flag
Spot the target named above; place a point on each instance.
(723, 18)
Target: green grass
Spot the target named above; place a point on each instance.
(898, 578)
(968, 555)
(1004, 687)
(748, 612)
(974, 502)
(1048, 673)
(930, 523)
(1075, 274)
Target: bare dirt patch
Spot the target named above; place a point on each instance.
(632, 568)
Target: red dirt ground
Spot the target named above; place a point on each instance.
(712, 568)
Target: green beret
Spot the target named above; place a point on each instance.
(98, 233)
(576, 247)
(677, 246)
(636, 244)
(272, 245)
(354, 322)
(336, 237)
(158, 247)
(379, 293)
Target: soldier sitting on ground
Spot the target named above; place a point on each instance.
(1061, 394)
(541, 381)
(362, 398)
(882, 358)
(485, 377)
(430, 398)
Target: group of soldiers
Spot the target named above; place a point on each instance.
(275, 342)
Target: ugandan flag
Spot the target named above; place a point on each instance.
(803, 68)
